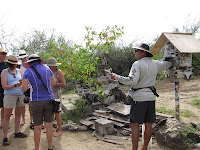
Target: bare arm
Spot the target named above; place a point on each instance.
(4, 82)
(61, 79)
(20, 72)
(24, 85)
(53, 81)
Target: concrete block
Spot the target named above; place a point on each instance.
(197, 146)
(104, 127)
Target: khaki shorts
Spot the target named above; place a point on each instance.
(41, 111)
(13, 101)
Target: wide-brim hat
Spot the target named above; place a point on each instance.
(52, 62)
(2, 50)
(22, 54)
(144, 47)
(32, 58)
(12, 59)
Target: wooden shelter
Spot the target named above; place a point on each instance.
(177, 48)
(184, 42)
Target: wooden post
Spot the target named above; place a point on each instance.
(177, 102)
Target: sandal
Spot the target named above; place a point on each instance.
(53, 148)
(32, 126)
(5, 142)
(22, 123)
(20, 135)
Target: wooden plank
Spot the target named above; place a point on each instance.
(120, 108)
(116, 122)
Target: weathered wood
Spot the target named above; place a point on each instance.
(117, 121)
(184, 42)
(109, 141)
(86, 122)
(120, 108)
(118, 138)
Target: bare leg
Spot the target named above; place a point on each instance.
(147, 135)
(59, 123)
(2, 115)
(18, 112)
(135, 135)
(31, 118)
(6, 119)
(23, 116)
(37, 136)
(49, 129)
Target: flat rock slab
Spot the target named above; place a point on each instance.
(120, 108)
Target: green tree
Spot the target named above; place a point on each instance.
(121, 59)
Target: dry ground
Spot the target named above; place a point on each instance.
(189, 90)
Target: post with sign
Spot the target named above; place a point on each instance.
(177, 48)
(177, 87)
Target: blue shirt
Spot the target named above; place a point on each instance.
(38, 91)
(13, 79)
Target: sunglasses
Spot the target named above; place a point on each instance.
(14, 75)
(3, 53)
(137, 50)
(24, 58)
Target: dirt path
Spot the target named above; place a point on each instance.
(85, 141)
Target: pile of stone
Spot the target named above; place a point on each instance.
(109, 119)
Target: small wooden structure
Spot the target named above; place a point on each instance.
(178, 48)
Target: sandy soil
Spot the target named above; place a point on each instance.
(189, 90)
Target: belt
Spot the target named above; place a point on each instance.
(152, 88)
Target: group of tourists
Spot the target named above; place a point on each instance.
(45, 82)
(23, 76)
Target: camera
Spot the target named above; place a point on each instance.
(56, 105)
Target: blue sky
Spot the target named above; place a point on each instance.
(142, 19)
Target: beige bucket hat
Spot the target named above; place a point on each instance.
(52, 62)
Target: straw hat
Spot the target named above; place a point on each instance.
(22, 54)
(52, 62)
(2, 50)
(144, 47)
(12, 59)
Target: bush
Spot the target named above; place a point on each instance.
(121, 59)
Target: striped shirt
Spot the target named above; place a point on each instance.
(37, 90)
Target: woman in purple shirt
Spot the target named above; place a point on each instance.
(41, 108)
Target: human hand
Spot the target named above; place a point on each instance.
(18, 84)
(113, 76)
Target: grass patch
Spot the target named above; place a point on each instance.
(163, 110)
(187, 113)
(75, 118)
(194, 96)
(196, 103)
(69, 92)
(80, 107)
(189, 141)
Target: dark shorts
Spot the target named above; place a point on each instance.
(1, 99)
(142, 112)
(41, 111)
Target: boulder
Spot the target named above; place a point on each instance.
(172, 133)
